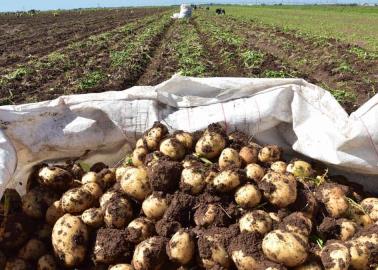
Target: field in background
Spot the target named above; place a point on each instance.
(356, 25)
(47, 55)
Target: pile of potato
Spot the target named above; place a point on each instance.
(203, 200)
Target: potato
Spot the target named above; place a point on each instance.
(243, 261)
(93, 217)
(335, 256)
(371, 207)
(248, 154)
(150, 254)
(55, 178)
(208, 217)
(140, 143)
(107, 177)
(154, 206)
(118, 213)
(362, 250)
(248, 196)
(33, 205)
(280, 189)
(347, 229)
(138, 156)
(226, 180)
(229, 158)
(193, 180)
(69, 240)
(53, 213)
(300, 168)
(144, 226)
(120, 171)
(90, 177)
(44, 232)
(152, 137)
(210, 145)
(275, 217)
(94, 189)
(180, 247)
(287, 248)
(185, 138)
(46, 262)
(254, 172)
(278, 166)
(107, 197)
(32, 250)
(218, 254)
(76, 200)
(333, 197)
(122, 266)
(256, 221)
(310, 265)
(173, 148)
(135, 183)
(269, 154)
(297, 222)
(16, 264)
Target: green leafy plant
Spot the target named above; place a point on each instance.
(91, 79)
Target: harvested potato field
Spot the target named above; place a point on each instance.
(52, 54)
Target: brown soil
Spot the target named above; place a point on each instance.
(165, 176)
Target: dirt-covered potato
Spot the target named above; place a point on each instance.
(121, 266)
(150, 254)
(69, 240)
(143, 226)
(333, 196)
(371, 207)
(32, 250)
(107, 197)
(347, 229)
(193, 179)
(278, 166)
(180, 247)
(138, 156)
(310, 265)
(44, 232)
(256, 221)
(118, 213)
(55, 178)
(172, 148)
(335, 256)
(135, 183)
(185, 138)
(229, 158)
(154, 206)
(254, 172)
(363, 248)
(300, 168)
(152, 137)
(244, 251)
(53, 213)
(248, 196)
(248, 154)
(94, 189)
(269, 153)
(210, 145)
(226, 180)
(46, 262)
(297, 222)
(90, 177)
(206, 216)
(93, 217)
(280, 189)
(215, 254)
(120, 171)
(76, 200)
(287, 248)
(16, 264)
(32, 204)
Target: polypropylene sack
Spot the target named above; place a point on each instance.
(290, 112)
(185, 12)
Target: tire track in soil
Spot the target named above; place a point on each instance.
(163, 63)
(215, 65)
